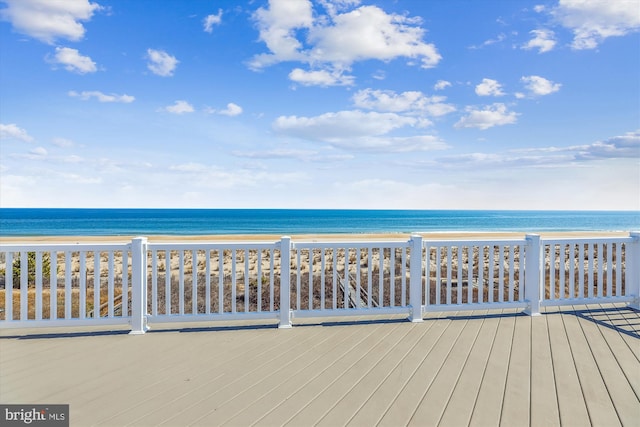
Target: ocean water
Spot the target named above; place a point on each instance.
(114, 222)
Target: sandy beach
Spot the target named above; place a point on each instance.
(457, 235)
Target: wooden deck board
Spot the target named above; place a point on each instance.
(543, 387)
(515, 406)
(460, 406)
(488, 407)
(571, 366)
(596, 396)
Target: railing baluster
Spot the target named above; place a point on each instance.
(501, 273)
(369, 277)
(220, 281)
(310, 283)
(259, 280)
(194, 282)
(83, 288)
(449, 261)
(207, 281)
(167, 282)
(247, 287)
(154, 283)
(298, 279)
(125, 283)
(38, 300)
(67, 285)
(271, 280)
(96, 284)
(8, 290)
(600, 260)
(111, 291)
(322, 279)
(181, 282)
(511, 271)
(619, 269)
(233, 281)
(24, 278)
(381, 277)
(609, 248)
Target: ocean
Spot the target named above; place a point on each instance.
(116, 222)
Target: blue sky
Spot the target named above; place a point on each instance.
(401, 104)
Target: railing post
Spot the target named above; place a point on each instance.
(533, 280)
(138, 286)
(633, 270)
(285, 285)
(415, 278)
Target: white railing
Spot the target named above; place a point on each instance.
(140, 282)
(58, 285)
(477, 274)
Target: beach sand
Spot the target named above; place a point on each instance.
(453, 235)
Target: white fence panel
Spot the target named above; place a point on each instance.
(59, 285)
(473, 274)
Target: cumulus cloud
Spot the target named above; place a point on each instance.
(12, 131)
(410, 102)
(539, 86)
(593, 21)
(212, 20)
(487, 117)
(231, 110)
(441, 84)
(489, 87)
(49, 20)
(321, 77)
(333, 41)
(161, 63)
(179, 107)
(358, 130)
(73, 61)
(102, 97)
(543, 40)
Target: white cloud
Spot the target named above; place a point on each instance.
(489, 116)
(37, 153)
(441, 84)
(341, 125)
(501, 37)
(161, 63)
(302, 155)
(179, 107)
(231, 110)
(410, 101)
(359, 130)
(12, 131)
(321, 77)
(74, 61)
(489, 87)
(626, 146)
(86, 95)
(62, 142)
(539, 86)
(49, 20)
(593, 21)
(543, 40)
(336, 40)
(212, 20)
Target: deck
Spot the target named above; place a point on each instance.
(572, 366)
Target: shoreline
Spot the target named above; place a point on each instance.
(438, 235)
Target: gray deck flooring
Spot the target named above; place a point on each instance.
(574, 366)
